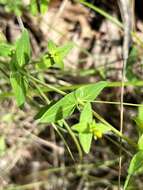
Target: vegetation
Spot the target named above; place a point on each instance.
(84, 143)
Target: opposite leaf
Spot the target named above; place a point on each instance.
(90, 92)
(60, 110)
(140, 142)
(81, 127)
(19, 87)
(5, 49)
(65, 49)
(85, 141)
(139, 119)
(135, 165)
(86, 114)
(23, 49)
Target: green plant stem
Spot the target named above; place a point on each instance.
(74, 138)
(44, 84)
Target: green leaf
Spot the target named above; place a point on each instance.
(60, 110)
(45, 63)
(86, 114)
(51, 47)
(135, 165)
(90, 92)
(44, 6)
(65, 49)
(5, 49)
(19, 87)
(80, 127)
(85, 141)
(23, 50)
(34, 7)
(59, 61)
(133, 57)
(140, 142)
(139, 119)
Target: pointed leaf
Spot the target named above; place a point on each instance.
(65, 49)
(139, 119)
(58, 61)
(60, 110)
(90, 92)
(23, 49)
(44, 6)
(19, 87)
(140, 143)
(136, 163)
(85, 141)
(80, 128)
(5, 49)
(51, 47)
(86, 114)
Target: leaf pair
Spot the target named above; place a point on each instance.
(55, 55)
(87, 128)
(65, 107)
(19, 59)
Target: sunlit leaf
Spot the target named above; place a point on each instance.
(19, 87)
(139, 119)
(140, 142)
(60, 110)
(5, 49)
(135, 165)
(80, 127)
(85, 141)
(86, 114)
(90, 92)
(23, 50)
(65, 49)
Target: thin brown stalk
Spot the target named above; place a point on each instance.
(126, 16)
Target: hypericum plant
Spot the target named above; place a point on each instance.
(91, 125)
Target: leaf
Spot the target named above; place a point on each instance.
(58, 61)
(65, 49)
(34, 7)
(86, 114)
(51, 47)
(60, 110)
(140, 142)
(45, 63)
(139, 119)
(90, 92)
(133, 57)
(135, 165)
(5, 49)
(80, 127)
(85, 141)
(44, 6)
(19, 87)
(23, 50)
